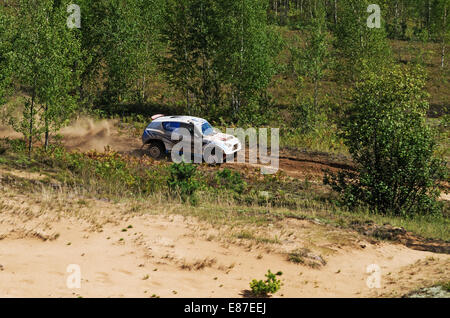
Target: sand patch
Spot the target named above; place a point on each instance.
(124, 254)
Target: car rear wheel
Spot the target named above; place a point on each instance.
(156, 150)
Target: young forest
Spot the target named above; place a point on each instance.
(360, 92)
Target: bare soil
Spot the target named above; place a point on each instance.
(157, 252)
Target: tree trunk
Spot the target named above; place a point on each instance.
(285, 11)
(186, 76)
(46, 127)
(143, 89)
(443, 38)
(30, 137)
(396, 20)
(335, 13)
(238, 97)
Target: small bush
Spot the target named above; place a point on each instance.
(392, 146)
(270, 286)
(182, 180)
(230, 180)
(298, 256)
(446, 286)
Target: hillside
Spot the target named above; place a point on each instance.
(337, 113)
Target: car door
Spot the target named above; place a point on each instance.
(169, 127)
(190, 128)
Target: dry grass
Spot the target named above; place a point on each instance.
(304, 256)
(198, 264)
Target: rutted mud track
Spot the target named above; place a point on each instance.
(86, 135)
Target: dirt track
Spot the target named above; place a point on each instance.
(85, 135)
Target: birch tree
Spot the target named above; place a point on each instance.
(358, 46)
(219, 50)
(5, 58)
(45, 52)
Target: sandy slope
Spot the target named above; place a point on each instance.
(184, 257)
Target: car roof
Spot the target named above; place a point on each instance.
(181, 119)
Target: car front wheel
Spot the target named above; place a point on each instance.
(156, 150)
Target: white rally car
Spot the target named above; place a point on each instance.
(164, 132)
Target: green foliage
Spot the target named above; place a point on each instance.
(182, 180)
(358, 46)
(260, 112)
(262, 288)
(120, 41)
(5, 49)
(391, 145)
(312, 61)
(231, 180)
(247, 52)
(218, 53)
(191, 42)
(305, 115)
(310, 65)
(446, 286)
(46, 57)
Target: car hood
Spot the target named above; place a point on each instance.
(219, 137)
(224, 141)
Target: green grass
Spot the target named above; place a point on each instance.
(446, 286)
(119, 178)
(430, 227)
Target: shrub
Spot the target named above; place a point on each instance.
(182, 180)
(391, 145)
(270, 286)
(230, 180)
(446, 286)
(304, 115)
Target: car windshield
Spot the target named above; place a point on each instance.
(207, 129)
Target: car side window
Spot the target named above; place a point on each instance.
(189, 127)
(154, 125)
(170, 126)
